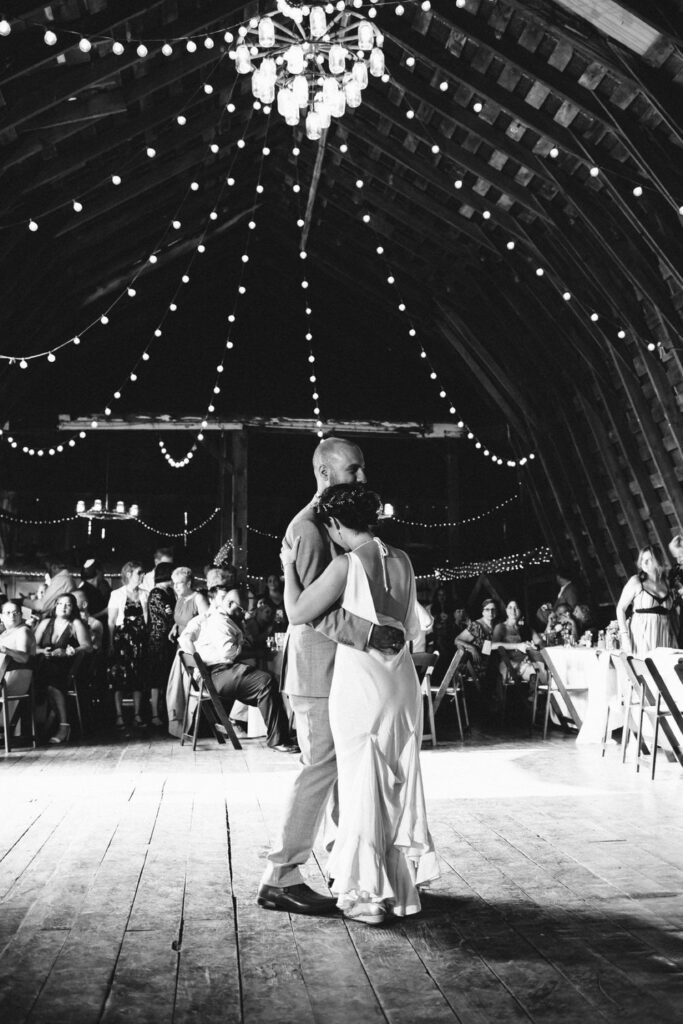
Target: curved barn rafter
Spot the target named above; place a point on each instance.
(546, 118)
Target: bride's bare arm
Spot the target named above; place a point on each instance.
(305, 605)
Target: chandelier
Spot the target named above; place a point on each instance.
(101, 510)
(302, 61)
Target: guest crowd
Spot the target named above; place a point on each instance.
(118, 646)
(122, 643)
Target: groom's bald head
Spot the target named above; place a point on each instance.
(336, 461)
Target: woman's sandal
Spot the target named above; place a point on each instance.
(156, 722)
(139, 723)
(120, 724)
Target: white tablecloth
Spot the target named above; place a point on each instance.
(596, 680)
(590, 678)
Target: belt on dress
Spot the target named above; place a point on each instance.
(652, 611)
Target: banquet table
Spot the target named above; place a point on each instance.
(595, 680)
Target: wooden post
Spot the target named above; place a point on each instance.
(239, 500)
(453, 483)
(225, 470)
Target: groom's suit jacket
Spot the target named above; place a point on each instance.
(310, 649)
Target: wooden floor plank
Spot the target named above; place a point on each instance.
(128, 876)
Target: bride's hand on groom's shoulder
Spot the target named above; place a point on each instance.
(289, 551)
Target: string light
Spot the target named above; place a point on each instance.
(12, 517)
(412, 332)
(459, 522)
(503, 563)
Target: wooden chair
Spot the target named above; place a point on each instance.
(453, 678)
(425, 663)
(18, 691)
(203, 699)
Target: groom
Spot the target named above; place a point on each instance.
(307, 675)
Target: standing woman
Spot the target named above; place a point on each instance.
(128, 617)
(188, 602)
(652, 623)
(383, 850)
(159, 647)
(58, 640)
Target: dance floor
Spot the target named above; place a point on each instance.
(128, 874)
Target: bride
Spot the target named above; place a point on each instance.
(383, 850)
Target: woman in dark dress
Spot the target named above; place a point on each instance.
(128, 617)
(59, 639)
(159, 647)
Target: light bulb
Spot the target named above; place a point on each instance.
(181, 119)
(142, 50)
(5, 27)
(50, 38)
(32, 226)
(594, 171)
(191, 46)
(176, 224)
(638, 191)
(167, 49)
(117, 48)
(151, 152)
(209, 43)
(116, 179)
(85, 46)
(78, 206)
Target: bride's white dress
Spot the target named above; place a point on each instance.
(383, 849)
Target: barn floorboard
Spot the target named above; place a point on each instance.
(128, 874)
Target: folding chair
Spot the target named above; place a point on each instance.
(17, 690)
(453, 678)
(557, 693)
(660, 707)
(205, 700)
(425, 664)
(541, 686)
(78, 673)
(630, 687)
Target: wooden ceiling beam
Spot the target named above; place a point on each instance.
(452, 151)
(63, 164)
(439, 59)
(413, 86)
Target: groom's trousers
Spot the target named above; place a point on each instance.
(313, 789)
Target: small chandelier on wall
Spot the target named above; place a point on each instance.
(312, 59)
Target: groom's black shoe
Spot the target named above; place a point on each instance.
(296, 899)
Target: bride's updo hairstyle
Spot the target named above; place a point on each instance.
(353, 505)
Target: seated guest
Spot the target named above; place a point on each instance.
(514, 634)
(61, 582)
(217, 637)
(583, 618)
(477, 635)
(94, 626)
(159, 647)
(18, 643)
(96, 589)
(274, 595)
(512, 630)
(258, 628)
(59, 639)
(568, 626)
(16, 639)
(188, 602)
